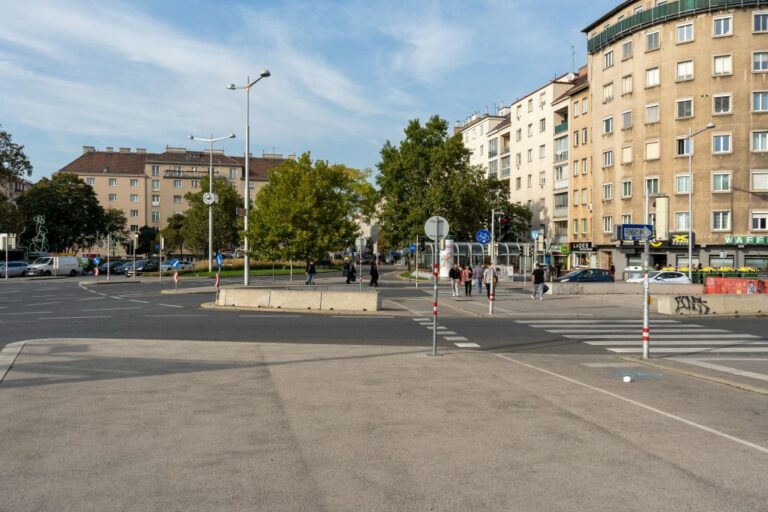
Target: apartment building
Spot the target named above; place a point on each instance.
(475, 135)
(150, 187)
(660, 73)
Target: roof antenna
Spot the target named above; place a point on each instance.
(573, 59)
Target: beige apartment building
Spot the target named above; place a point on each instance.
(150, 187)
(658, 72)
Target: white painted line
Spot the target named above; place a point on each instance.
(688, 350)
(421, 319)
(367, 317)
(115, 297)
(28, 313)
(3, 307)
(88, 298)
(174, 316)
(608, 330)
(140, 301)
(455, 338)
(73, 317)
(113, 309)
(444, 333)
(675, 342)
(8, 291)
(43, 303)
(467, 345)
(170, 305)
(641, 405)
(603, 321)
(721, 368)
(270, 316)
(608, 365)
(102, 294)
(700, 337)
(8, 356)
(441, 328)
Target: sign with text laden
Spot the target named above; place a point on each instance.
(746, 240)
(581, 246)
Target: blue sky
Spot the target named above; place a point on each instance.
(346, 75)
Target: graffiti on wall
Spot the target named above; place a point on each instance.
(691, 304)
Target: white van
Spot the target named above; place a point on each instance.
(55, 266)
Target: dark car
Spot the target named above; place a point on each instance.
(586, 275)
(142, 266)
(113, 267)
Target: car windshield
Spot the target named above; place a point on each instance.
(573, 274)
(42, 261)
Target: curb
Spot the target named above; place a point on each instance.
(383, 313)
(8, 357)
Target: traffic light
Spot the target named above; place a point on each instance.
(503, 227)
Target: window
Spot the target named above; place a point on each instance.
(493, 148)
(505, 166)
(681, 221)
(90, 181)
(626, 188)
(626, 219)
(722, 65)
(530, 155)
(134, 214)
(685, 33)
(112, 197)
(134, 228)
(652, 185)
(575, 226)
(721, 143)
(194, 184)
(584, 226)
(721, 220)
(176, 183)
(760, 101)
(584, 196)
(608, 59)
(626, 120)
(583, 136)
(583, 166)
(518, 159)
(652, 150)
(519, 109)
(722, 27)
(576, 109)
(607, 191)
(652, 77)
(134, 183)
(155, 200)
(155, 170)
(626, 155)
(480, 151)
(684, 108)
(760, 62)
(155, 184)
(760, 22)
(530, 105)
(760, 180)
(721, 104)
(607, 224)
(682, 146)
(543, 151)
(576, 139)
(177, 199)
(583, 105)
(530, 180)
(542, 125)
(607, 92)
(493, 168)
(721, 182)
(608, 158)
(626, 85)
(607, 125)
(652, 113)
(575, 167)
(134, 198)
(652, 41)
(518, 183)
(759, 141)
(682, 184)
(155, 216)
(530, 130)
(685, 70)
(626, 50)
(112, 182)
(759, 221)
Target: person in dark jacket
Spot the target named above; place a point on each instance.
(374, 275)
(311, 272)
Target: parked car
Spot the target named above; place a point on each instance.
(664, 278)
(113, 265)
(142, 266)
(183, 265)
(55, 265)
(586, 275)
(15, 269)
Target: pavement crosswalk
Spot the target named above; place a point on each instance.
(458, 341)
(668, 337)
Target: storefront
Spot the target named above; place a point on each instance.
(583, 255)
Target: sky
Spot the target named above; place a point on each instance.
(346, 75)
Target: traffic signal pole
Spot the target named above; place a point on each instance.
(493, 262)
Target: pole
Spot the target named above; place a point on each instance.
(247, 192)
(690, 201)
(210, 208)
(5, 239)
(360, 258)
(436, 274)
(417, 261)
(135, 240)
(109, 250)
(646, 327)
(493, 262)
(160, 267)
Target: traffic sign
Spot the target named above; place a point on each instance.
(436, 228)
(175, 263)
(209, 198)
(636, 232)
(483, 236)
(96, 260)
(535, 234)
(218, 260)
(412, 248)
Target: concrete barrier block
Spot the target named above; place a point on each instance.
(350, 301)
(249, 298)
(703, 305)
(295, 299)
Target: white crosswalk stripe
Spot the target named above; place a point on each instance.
(624, 336)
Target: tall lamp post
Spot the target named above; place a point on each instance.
(247, 194)
(209, 198)
(709, 126)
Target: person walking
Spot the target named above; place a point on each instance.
(488, 280)
(345, 270)
(466, 278)
(612, 272)
(455, 275)
(311, 272)
(477, 274)
(537, 277)
(374, 275)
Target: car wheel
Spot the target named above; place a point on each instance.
(72, 273)
(47, 273)
(24, 274)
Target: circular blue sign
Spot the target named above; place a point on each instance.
(96, 260)
(412, 248)
(483, 236)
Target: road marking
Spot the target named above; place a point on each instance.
(421, 319)
(457, 338)
(8, 291)
(73, 317)
(270, 316)
(467, 345)
(28, 313)
(687, 350)
(141, 301)
(608, 330)
(676, 342)
(608, 365)
(3, 307)
(113, 309)
(603, 321)
(367, 317)
(115, 297)
(721, 368)
(443, 333)
(700, 337)
(640, 404)
(174, 316)
(170, 305)
(88, 298)
(43, 303)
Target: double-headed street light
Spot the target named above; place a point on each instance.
(209, 198)
(247, 201)
(709, 126)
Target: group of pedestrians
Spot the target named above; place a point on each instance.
(481, 275)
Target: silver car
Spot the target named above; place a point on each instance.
(15, 269)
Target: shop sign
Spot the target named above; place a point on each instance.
(746, 240)
(581, 247)
(675, 241)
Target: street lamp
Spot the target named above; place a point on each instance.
(247, 194)
(135, 243)
(209, 198)
(709, 126)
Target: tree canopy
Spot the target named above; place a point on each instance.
(173, 233)
(14, 164)
(429, 174)
(308, 209)
(226, 223)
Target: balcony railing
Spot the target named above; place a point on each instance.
(561, 156)
(504, 150)
(561, 212)
(561, 184)
(661, 14)
(560, 128)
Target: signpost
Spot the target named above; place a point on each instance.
(436, 229)
(175, 265)
(361, 243)
(636, 232)
(96, 260)
(483, 236)
(643, 233)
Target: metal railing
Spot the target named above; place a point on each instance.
(663, 14)
(560, 128)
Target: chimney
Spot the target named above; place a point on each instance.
(108, 149)
(125, 150)
(141, 150)
(88, 149)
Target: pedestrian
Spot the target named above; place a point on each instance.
(351, 274)
(466, 278)
(345, 269)
(612, 272)
(374, 275)
(311, 272)
(477, 274)
(558, 269)
(538, 282)
(488, 279)
(455, 275)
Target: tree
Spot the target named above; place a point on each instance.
(73, 215)
(308, 209)
(148, 238)
(429, 174)
(226, 224)
(11, 220)
(14, 164)
(173, 233)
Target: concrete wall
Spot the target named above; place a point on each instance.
(706, 305)
(299, 300)
(623, 288)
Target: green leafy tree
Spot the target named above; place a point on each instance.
(226, 224)
(428, 174)
(309, 209)
(11, 220)
(148, 238)
(173, 234)
(115, 226)
(14, 164)
(72, 212)
(517, 229)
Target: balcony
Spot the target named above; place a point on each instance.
(662, 14)
(561, 156)
(561, 128)
(561, 184)
(561, 212)
(504, 150)
(187, 175)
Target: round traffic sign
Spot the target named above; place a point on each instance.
(209, 198)
(483, 236)
(436, 228)
(412, 248)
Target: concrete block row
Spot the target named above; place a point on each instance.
(299, 300)
(704, 305)
(624, 288)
